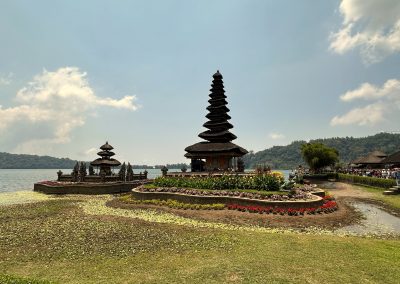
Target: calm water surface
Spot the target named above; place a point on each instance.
(18, 180)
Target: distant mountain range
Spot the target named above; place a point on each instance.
(23, 161)
(350, 148)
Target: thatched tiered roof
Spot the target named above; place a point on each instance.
(208, 149)
(375, 157)
(106, 160)
(392, 159)
(218, 135)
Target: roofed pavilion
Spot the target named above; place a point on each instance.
(372, 160)
(217, 152)
(105, 162)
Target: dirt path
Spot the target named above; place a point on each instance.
(340, 189)
(347, 193)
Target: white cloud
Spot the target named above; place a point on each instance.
(60, 101)
(386, 100)
(367, 91)
(91, 151)
(6, 80)
(371, 25)
(276, 136)
(369, 115)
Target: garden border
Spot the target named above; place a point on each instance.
(229, 199)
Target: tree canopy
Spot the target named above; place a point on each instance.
(318, 155)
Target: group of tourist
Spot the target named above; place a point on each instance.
(378, 173)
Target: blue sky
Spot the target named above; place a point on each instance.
(74, 74)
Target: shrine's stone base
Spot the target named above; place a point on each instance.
(86, 188)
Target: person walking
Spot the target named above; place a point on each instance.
(397, 176)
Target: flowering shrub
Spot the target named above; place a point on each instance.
(270, 182)
(327, 207)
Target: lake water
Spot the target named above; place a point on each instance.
(18, 180)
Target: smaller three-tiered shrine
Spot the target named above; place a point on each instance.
(105, 163)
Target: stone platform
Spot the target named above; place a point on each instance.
(392, 191)
(85, 188)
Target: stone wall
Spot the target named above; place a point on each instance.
(86, 188)
(226, 200)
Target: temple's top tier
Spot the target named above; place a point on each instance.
(217, 75)
(217, 124)
(106, 147)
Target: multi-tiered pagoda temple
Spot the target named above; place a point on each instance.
(105, 163)
(217, 152)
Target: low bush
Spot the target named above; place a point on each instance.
(269, 182)
(370, 181)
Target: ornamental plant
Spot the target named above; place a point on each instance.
(327, 207)
(269, 182)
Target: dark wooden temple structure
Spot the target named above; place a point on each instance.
(105, 163)
(393, 160)
(104, 166)
(217, 153)
(374, 160)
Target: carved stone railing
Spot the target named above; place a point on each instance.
(98, 178)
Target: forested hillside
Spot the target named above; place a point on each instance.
(15, 161)
(350, 148)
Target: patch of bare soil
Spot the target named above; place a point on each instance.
(350, 192)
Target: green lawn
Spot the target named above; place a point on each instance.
(56, 241)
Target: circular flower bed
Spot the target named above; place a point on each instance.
(300, 194)
(328, 206)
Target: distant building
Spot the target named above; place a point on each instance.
(373, 160)
(217, 153)
(393, 160)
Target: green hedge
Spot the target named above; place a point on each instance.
(371, 181)
(258, 182)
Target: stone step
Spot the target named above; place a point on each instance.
(391, 192)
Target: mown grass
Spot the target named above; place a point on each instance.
(10, 279)
(56, 241)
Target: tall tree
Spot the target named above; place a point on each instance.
(318, 155)
(82, 171)
(75, 172)
(129, 173)
(122, 172)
